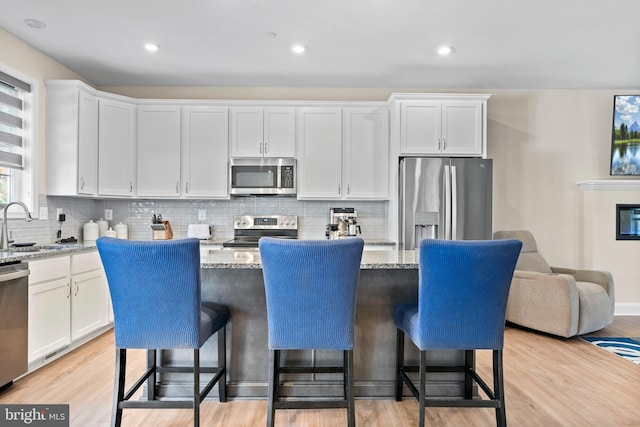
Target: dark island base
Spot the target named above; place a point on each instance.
(374, 351)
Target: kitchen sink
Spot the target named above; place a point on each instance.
(37, 248)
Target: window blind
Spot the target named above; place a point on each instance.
(12, 92)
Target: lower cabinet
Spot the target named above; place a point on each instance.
(89, 295)
(68, 300)
(49, 306)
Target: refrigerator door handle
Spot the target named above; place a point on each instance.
(454, 204)
(447, 203)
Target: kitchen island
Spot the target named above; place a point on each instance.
(234, 278)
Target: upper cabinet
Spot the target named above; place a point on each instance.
(366, 153)
(72, 139)
(116, 148)
(319, 153)
(263, 132)
(443, 124)
(343, 153)
(158, 154)
(205, 152)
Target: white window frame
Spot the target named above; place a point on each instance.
(24, 184)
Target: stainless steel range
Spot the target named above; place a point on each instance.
(248, 229)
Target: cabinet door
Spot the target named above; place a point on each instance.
(49, 317)
(158, 155)
(205, 153)
(87, 143)
(116, 142)
(462, 127)
(366, 153)
(247, 130)
(89, 303)
(420, 127)
(279, 132)
(319, 153)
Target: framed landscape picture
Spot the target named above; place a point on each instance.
(625, 138)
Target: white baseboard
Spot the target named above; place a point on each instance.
(627, 309)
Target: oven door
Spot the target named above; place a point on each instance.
(262, 176)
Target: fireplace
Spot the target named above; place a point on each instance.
(627, 222)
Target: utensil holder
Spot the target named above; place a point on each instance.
(162, 231)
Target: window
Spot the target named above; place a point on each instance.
(17, 139)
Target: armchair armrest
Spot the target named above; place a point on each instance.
(546, 302)
(602, 278)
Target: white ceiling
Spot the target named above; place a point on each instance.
(506, 44)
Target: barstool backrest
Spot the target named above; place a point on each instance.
(311, 288)
(155, 292)
(462, 292)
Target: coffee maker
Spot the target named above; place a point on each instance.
(343, 222)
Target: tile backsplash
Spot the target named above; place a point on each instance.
(136, 214)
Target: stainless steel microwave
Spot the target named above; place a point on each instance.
(262, 175)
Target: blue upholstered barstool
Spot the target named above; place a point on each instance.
(155, 292)
(462, 302)
(311, 288)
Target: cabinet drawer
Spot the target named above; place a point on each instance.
(85, 262)
(48, 269)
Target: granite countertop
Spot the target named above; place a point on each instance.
(236, 258)
(43, 251)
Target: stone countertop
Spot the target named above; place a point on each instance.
(367, 242)
(27, 254)
(371, 260)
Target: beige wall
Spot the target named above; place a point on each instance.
(542, 143)
(22, 57)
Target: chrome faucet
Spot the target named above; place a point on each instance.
(4, 238)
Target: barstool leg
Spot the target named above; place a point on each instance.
(196, 388)
(152, 362)
(498, 388)
(118, 389)
(469, 363)
(350, 395)
(399, 363)
(274, 366)
(222, 364)
(422, 385)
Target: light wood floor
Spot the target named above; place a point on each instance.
(549, 382)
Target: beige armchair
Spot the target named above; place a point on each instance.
(559, 301)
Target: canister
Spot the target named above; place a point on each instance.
(110, 233)
(103, 226)
(121, 231)
(91, 232)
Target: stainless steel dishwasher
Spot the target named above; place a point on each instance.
(14, 317)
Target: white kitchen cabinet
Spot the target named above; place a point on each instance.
(68, 300)
(116, 147)
(365, 153)
(319, 145)
(49, 306)
(158, 154)
(72, 139)
(454, 127)
(205, 152)
(343, 153)
(89, 295)
(263, 132)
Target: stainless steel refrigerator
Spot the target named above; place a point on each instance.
(444, 198)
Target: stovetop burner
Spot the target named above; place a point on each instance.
(248, 229)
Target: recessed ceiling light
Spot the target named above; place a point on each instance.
(298, 48)
(445, 50)
(34, 23)
(151, 47)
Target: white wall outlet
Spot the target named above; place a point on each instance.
(58, 212)
(202, 214)
(43, 213)
(108, 214)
